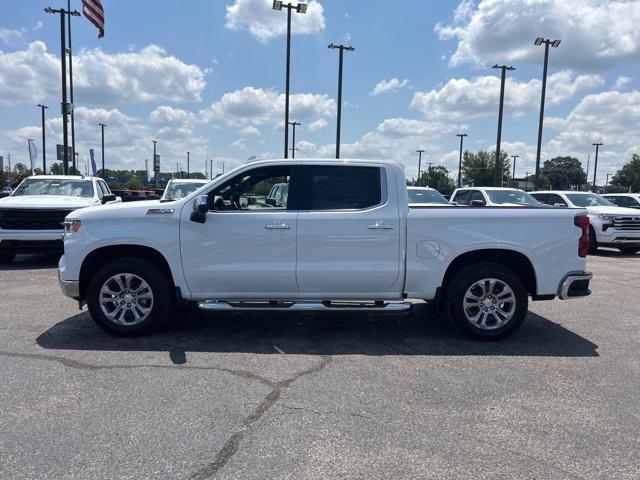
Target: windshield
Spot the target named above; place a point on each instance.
(588, 200)
(511, 196)
(180, 190)
(48, 186)
(425, 196)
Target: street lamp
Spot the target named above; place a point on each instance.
(595, 163)
(299, 8)
(293, 143)
(555, 44)
(102, 125)
(341, 49)
(420, 152)
(513, 177)
(461, 135)
(503, 68)
(66, 107)
(44, 143)
(188, 153)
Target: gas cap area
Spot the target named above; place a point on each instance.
(427, 249)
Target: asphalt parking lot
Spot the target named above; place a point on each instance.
(256, 396)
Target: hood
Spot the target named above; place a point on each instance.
(613, 211)
(47, 201)
(122, 210)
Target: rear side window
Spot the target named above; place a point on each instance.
(341, 188)
(462, 197)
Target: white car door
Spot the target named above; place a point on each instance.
(348, 233)
(246, 248)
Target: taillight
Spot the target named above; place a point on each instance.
(582, 221)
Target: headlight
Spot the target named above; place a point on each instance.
(606, 218)
(71, 227)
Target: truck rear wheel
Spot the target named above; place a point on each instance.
(486, 301)
(129, 297)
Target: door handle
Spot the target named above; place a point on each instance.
(380, 226)
(277, 226)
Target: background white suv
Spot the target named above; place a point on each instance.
(492, 197)
(627, 200)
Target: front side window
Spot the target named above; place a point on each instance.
(476, 195)
(511, 196)
(341, 188)
(462, 197)
(254, 191)
(555, 200)
(176, 190)
(48, 186)
(588, 200)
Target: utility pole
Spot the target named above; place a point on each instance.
(188, 175)
(429, 172)
(606, 183)
(503, 75)
(102, 125)
(341, 49)
(293, 143)
(299, 8)
(73, 124)
(461, 135)
(211, 169)
(155, 173)
(547, 43)
(513, 176)
(75, 162)
(66, 107)
(420, 151)
(595, 164)
(44, 141)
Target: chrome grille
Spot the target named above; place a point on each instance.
(627, 223)
(32, 219)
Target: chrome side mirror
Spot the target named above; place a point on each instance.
(200, 209)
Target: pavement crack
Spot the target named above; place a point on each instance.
(70, 363)
(232, 445)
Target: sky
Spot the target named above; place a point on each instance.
(208, 76)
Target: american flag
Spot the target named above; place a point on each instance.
(94, 12)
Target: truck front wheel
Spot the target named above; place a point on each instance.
(129, 297)
(486, 301)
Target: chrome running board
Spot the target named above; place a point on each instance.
(307, 306)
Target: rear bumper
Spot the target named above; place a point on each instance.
(575, 285)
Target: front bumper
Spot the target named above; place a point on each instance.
(70, 288)
(575, 285)
(31, 241)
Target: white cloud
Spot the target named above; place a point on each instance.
(252, 106)
(250, 131)
(238, 144)
(595, 34)
(264, 23)
(388, 86)
(13, 37)
(100, 78)
(462, 98)
(622, 81)
(318, 125)
(305, 146)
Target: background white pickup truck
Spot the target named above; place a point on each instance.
(345, 238)
(610, 225)
(31, 217)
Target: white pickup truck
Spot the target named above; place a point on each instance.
(345, 239)
(31, 217)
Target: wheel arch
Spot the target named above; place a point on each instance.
(515, 261)
(100, 256)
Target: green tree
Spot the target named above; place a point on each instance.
(438, 178)
(479, 168)
(628, 177)
(19, 173)
(562, 173)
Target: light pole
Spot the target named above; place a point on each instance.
(102, 125)
(188, 176)
(299, 8)
(420, 152)
(73, 124)
(595, 163)
(503, 76)
(513, 176)
(66, 107)
(606, 183)
(44, 143)
(461, 135)
(547, 43)
(293, 138)
(341, 49)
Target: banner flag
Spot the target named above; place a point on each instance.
(33, 154)
(94, 169)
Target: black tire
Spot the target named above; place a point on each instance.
(158, 282)
(629, 250)
(593, 243)
(456, 290)
(7, 257)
